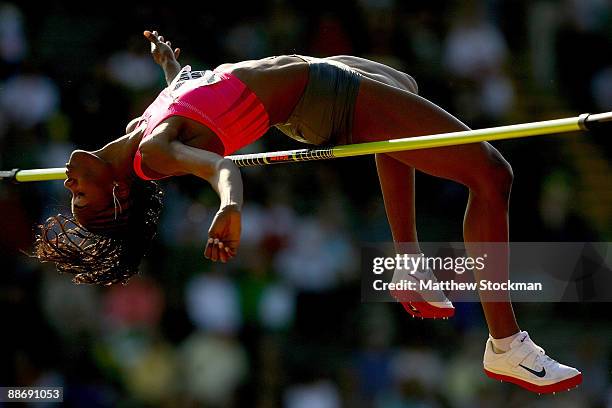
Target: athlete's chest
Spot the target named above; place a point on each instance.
(195, 134)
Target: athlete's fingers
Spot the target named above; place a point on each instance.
(208, 249)
(215, 250)
(156, 34)
(177, 52)
(219, 254)
(169, 44)
(226, 249)
(150, 36)
(223, 256)
(161, 38)
(213, 253)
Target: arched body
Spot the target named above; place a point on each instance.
(369, 102)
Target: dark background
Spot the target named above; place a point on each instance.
(283, 325)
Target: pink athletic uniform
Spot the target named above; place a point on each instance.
(218, 100)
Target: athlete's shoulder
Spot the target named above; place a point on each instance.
(224, 67)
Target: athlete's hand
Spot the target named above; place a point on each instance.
(224, 235)
(161, 50)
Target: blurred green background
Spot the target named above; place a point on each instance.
(283, 325)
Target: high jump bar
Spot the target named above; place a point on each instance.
(582, 122)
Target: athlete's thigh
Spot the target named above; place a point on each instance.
(383, 112)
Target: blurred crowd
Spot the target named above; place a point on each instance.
(283, 324)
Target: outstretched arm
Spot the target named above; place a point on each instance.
(163, 55)
(175, 158)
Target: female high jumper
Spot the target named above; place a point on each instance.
(202, 116)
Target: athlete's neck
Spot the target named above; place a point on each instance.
(120, 153)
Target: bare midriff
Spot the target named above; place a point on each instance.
(278, 82)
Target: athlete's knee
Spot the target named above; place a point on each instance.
(496, 182)
(501, 175)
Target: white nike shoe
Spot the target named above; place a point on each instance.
(527, 365)
(424, 303)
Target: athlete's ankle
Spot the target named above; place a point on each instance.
(502, 345)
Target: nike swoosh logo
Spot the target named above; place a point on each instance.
(540, 373)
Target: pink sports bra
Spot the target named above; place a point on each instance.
(218, 100)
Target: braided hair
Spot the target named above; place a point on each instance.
(103, 253)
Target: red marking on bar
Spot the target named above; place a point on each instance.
(277, 158)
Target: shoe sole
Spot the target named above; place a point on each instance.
(425, 310)
(564, 385)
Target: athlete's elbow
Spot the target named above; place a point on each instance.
(149, 149)
(156, 156)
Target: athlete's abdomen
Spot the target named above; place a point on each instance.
(278, 82)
